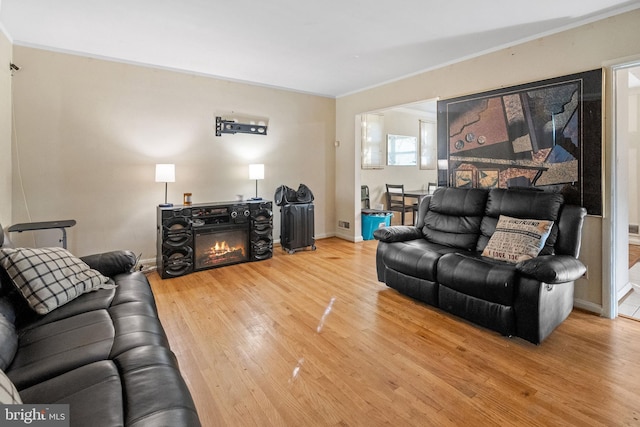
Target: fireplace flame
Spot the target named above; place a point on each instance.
(221, 248)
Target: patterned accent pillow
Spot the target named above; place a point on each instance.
(8, 393)
(50, 277)
(517, 239)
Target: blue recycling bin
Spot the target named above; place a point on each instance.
(372, 220)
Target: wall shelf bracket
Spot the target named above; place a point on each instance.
(233, 127)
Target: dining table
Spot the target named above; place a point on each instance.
(418, 194)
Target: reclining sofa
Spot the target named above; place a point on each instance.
(104, 352)
(449, 259)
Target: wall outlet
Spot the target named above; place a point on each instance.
(586, 273)
(344, 224)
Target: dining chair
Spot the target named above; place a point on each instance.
(396, 201)
(364, 196)
(431, 187)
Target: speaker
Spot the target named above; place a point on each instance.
(261, 238)
(176, 262)
(175, 242)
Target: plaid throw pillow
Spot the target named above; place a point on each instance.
(50, 277)
(8, 393)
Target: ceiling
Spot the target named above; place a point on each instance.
(328, 47)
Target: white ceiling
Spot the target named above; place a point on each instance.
(324, 47)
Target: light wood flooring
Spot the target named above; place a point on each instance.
(313, 339)
(634, 255)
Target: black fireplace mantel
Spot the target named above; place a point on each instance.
(187, 235)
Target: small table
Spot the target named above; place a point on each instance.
(45, 225)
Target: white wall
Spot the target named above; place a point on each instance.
(584, 48)
(5, 130)
(89, 133)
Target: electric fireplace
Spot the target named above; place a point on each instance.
(216, 246)
(209, 235)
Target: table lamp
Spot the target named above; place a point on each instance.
(256, 171)
(165, 173)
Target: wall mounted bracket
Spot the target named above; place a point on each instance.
(233, 127)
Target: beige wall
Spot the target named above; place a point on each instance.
(588, 47)
(5, 130)
(89, 133)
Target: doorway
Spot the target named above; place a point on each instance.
(415, 120)
(626, 191)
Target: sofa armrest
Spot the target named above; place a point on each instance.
(397, 233)
(552, 269)
(111, 263)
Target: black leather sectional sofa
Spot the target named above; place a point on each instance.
(104, 353)
(439, 260)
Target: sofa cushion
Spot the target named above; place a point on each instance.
(7, 310)
(8, 342)
(58, 347)
(521, 204)
(8, 336)
(481, 278)
(155, 394)
(111, 263)
(131, 287)
(417, 258)
(498, 317)
(454, 217)
(8, 393)
(517, 239)
(93, 393)
(49, 277)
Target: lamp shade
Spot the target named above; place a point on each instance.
(256, 171)
(165, 172)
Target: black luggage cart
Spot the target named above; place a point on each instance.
(296, 218)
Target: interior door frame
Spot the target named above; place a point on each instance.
(613, 263)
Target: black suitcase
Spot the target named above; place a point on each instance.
(297, 226)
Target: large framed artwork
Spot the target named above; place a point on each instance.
(546, 135)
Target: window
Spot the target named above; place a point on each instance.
(372, 150)
(402, 150)
(428, 145)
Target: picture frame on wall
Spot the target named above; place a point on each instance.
(488, 178)
(464, 178)
(545, 135)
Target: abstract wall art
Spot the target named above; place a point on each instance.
(545, 135)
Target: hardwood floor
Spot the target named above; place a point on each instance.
(634, 255)
(313, 339)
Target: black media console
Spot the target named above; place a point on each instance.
(209, 235)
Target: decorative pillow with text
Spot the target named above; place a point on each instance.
(517, 239)
(50, 277)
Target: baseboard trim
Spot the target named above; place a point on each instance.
(348, 237)
(147, 265)
(624, 291)
(588, 306)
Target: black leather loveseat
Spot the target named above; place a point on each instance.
(440, 260)
(104, 353)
